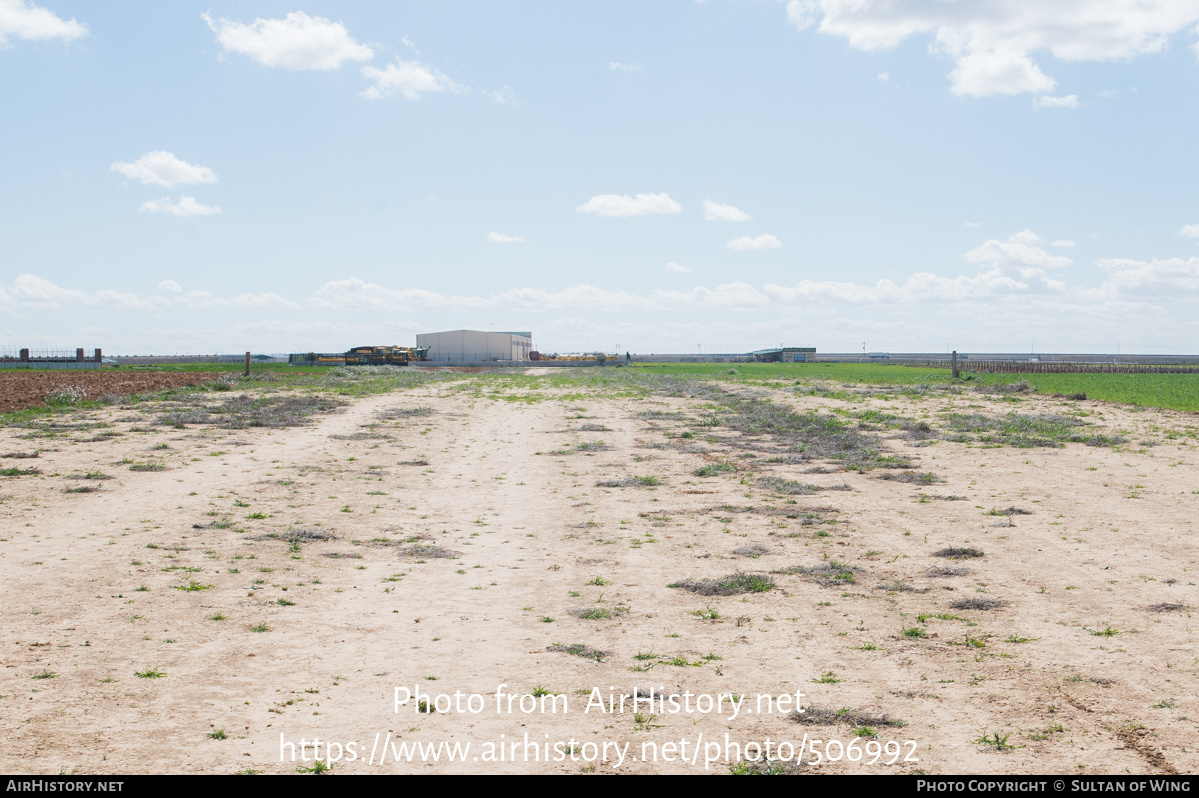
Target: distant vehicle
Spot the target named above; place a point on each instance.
(385, 355)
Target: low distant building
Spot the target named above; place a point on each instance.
(463, 346)
(785, 354)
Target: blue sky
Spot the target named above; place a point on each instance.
(915, 174)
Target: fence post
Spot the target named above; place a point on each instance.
(24, 355)
(247, 364)
(98, 358)
(955, 364)
(79, 355)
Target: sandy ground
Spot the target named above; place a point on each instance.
(87, 593)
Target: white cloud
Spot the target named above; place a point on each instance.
(728, 295)
(33, 292)
(295, 42)
(504, 95)
(761, 242)
(410, 79)
(1019, 254)
(715, 212)
(161, 168)
(616, 66)
(28, 21)
(1069, 101)
(186, 206)
(1062, 242)
(1189, 230)
(974, 224)
(985, 73)
(355, 293)
(993, 42)
(883, 77)
(677, 268)
(621, 205)
(204, 299)
(408, 43)
(500, 238)
(1165, 278)
(170, 285)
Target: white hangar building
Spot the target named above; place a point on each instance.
(476, 345)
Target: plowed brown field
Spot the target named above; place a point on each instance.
(21, 389)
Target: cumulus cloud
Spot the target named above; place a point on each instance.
(715, 212)
(616, 66)
(621, 205)
(993, 43)
(162, 168)
(36, 293)
(170, 285)
(1189, 230)
(295, 42)
(761, 242)
(409, 79)
(1062, 242)
(1069, 101)
(28, 21)
(1155, 277)
(186, 206)
(500, 238)
(1018, 253)
(677, 268)
(883, 77)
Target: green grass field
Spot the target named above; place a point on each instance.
(1169, 391)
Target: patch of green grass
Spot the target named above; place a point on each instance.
(997, 740)
(150, 673)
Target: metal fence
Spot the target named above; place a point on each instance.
(1025, 367)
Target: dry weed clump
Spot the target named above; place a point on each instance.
(581, 650)
(978, 603)
(815, 715)
(946, 570)
(829, 573)
(788, 487)
(730, 585)
(958, 552)
(911, 477)
(751, 551)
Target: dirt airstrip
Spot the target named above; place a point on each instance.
(175, 598)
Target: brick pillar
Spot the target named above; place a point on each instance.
(24, 355)
(97, 354)
(79, 355)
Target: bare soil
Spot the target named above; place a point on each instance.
(20, 389)
(1084, 658)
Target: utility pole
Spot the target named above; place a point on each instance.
(955, 364)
